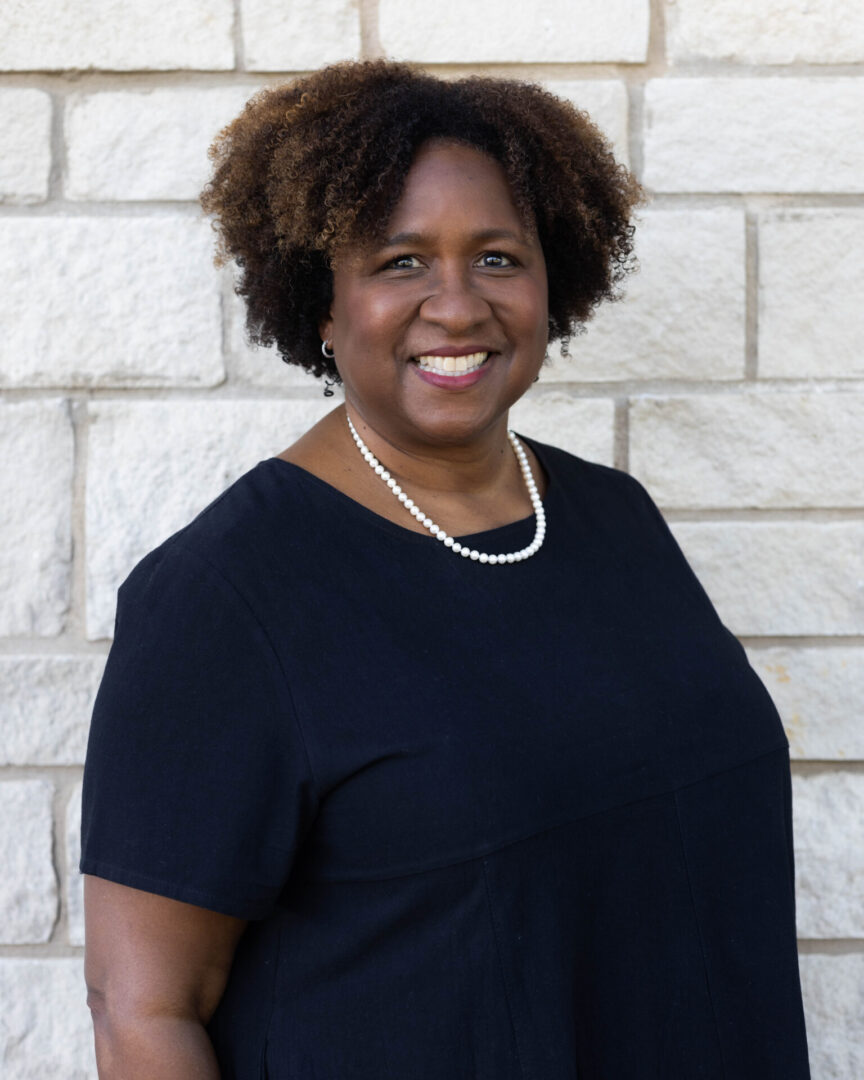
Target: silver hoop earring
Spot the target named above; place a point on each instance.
(327, 355)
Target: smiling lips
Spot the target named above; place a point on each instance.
(452, 366)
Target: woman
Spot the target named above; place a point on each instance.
(376, 791)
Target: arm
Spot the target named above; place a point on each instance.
(155, 971)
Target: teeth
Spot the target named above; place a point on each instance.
(452, 365)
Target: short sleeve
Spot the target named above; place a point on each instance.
(197, 785)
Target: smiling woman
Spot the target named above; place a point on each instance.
(482, 790)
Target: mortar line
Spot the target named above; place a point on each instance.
(237, 37)
(751, 296)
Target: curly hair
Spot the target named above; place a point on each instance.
(315, 166)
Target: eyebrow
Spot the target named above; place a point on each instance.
(403, 238)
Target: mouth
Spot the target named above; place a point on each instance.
(453, 367)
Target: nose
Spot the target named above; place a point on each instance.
(455, 304)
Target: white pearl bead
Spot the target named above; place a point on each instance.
(438, 532)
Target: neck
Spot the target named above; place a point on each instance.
(480, 466)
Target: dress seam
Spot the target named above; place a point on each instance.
(507, 992)
(699, 934)
(262, 1061)
(663, 793)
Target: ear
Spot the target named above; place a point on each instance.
(325, 327)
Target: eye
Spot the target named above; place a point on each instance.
(400, 262)
(500, 261)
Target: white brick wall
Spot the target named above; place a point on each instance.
(25, 134)
(548, 31)
(768, 134)
(730, 380)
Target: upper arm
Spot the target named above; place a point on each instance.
(149, 955)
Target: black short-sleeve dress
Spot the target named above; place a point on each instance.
(519, 822)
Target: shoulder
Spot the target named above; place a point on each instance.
(602, 483)
(231, 538)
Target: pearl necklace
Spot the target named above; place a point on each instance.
(438, 532)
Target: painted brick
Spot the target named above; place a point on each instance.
(682, 316)
(146, 145)
(36, 447)
(28, 888)
(780, 577)
(820, 695)
(605, 101)
(550, 31)
(768, 32)
(299, 36)
(584, 426)
(833, 989)
(748, 134)
(829, 854)
(25, 135)
(162, 34)
(110, 301)
(194, 451)
(74, 879)
(46, 1032)
(750, 449)
(45, 708)
(811, 280)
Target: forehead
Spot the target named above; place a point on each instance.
(451, 180)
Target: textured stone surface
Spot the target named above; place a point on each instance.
(194, 450)
(829, 855)
(45, 708)
(754, 449)
(811, 280)
(766, 134)
(551, 31)
(110, 301)
(252, 365)
(584, 426)
(605, 101)
(36, 447)
(683, 313)
(834, 1006)
(146, 145)
(299, 36)
(45, 1030)
(820, 695)
(25, 135)
(74, 880)
(780, 577)
(28, 888)
(767, 32)
(116, 36)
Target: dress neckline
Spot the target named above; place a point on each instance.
(391, 526)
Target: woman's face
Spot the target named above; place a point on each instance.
(457, 276)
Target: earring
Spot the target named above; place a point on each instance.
(328, 387)
(327, 355)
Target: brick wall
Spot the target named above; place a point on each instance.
(731, 381)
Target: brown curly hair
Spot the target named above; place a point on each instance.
(318, 164)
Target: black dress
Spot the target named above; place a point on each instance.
(520, 822)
